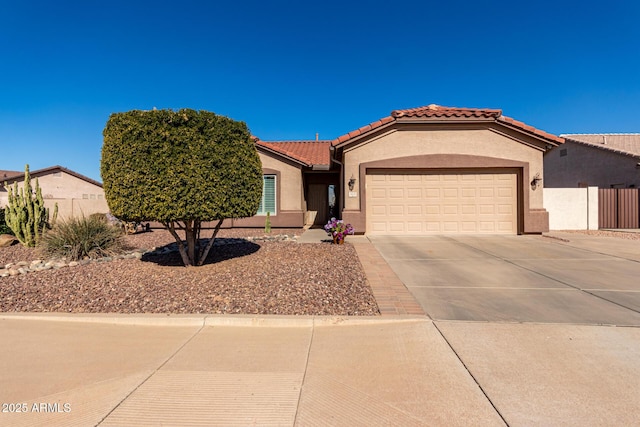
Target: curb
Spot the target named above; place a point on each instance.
(186, 320)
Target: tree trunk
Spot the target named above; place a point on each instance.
(205, 251)
(190, 235)
(171, 226)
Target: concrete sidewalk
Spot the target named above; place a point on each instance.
(240, 370)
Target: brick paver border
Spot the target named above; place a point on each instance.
(391, 294)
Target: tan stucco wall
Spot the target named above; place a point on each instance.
(290, 185)
(68, 208)
(405, 141)
(588, 166)
(64, 186)
(69, 192)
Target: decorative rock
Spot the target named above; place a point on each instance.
(24, 267)
(6, 240)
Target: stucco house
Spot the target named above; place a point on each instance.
(427, 170)
(74, 193)
(594, 160)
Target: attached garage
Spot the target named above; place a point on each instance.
(419, 202)
(444, 170)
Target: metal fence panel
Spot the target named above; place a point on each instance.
(619, 208)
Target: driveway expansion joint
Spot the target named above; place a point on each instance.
(435, 325)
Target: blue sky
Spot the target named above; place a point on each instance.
(290, 69)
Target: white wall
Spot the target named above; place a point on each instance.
(572, 208)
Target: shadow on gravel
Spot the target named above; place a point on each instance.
(222, 250)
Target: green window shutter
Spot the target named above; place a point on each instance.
(268, 201)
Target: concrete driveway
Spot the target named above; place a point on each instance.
(564, 279)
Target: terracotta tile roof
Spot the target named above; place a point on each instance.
(621, 143)
(434, 110)
(362, 130)
(8, 174)
(40, 172)
(438, 112)
(310, 153)
(530, 129)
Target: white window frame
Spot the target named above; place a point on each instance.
(261, 210)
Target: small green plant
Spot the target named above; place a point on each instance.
(99, 216)
(4, 228)
(82, 237)
(267, 223)
(26, 214)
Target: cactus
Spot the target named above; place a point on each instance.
(267, 224)
(26, 214)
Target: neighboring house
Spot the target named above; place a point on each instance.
(594, 160)
(74, 193)
(428, 170)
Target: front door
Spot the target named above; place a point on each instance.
(322, 204)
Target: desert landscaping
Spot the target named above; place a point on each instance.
(246, 272)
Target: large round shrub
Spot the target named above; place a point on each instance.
(180, 168)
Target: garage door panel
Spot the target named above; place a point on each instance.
(487, 226)
(468, 226)
(504, 226)
(378, 193)
(487, 209)
(432, 209)
(469, 192)
(469, 209)
(396, 193)
(487, 192)
(414, 193)
(505, 209)
(396, 210)
(505, 192)
(432, 203)
(414, 210)
(396, 226)
(450, 226)
(432, 193)
(450, 193)
(450, 210)
(414, 227)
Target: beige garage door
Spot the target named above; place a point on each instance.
(406, 202)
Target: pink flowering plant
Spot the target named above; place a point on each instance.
(338, 229)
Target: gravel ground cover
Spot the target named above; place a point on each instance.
(248, 277)
(607, 233)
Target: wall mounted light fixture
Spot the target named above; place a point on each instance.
(535, 181)
(352, 183)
